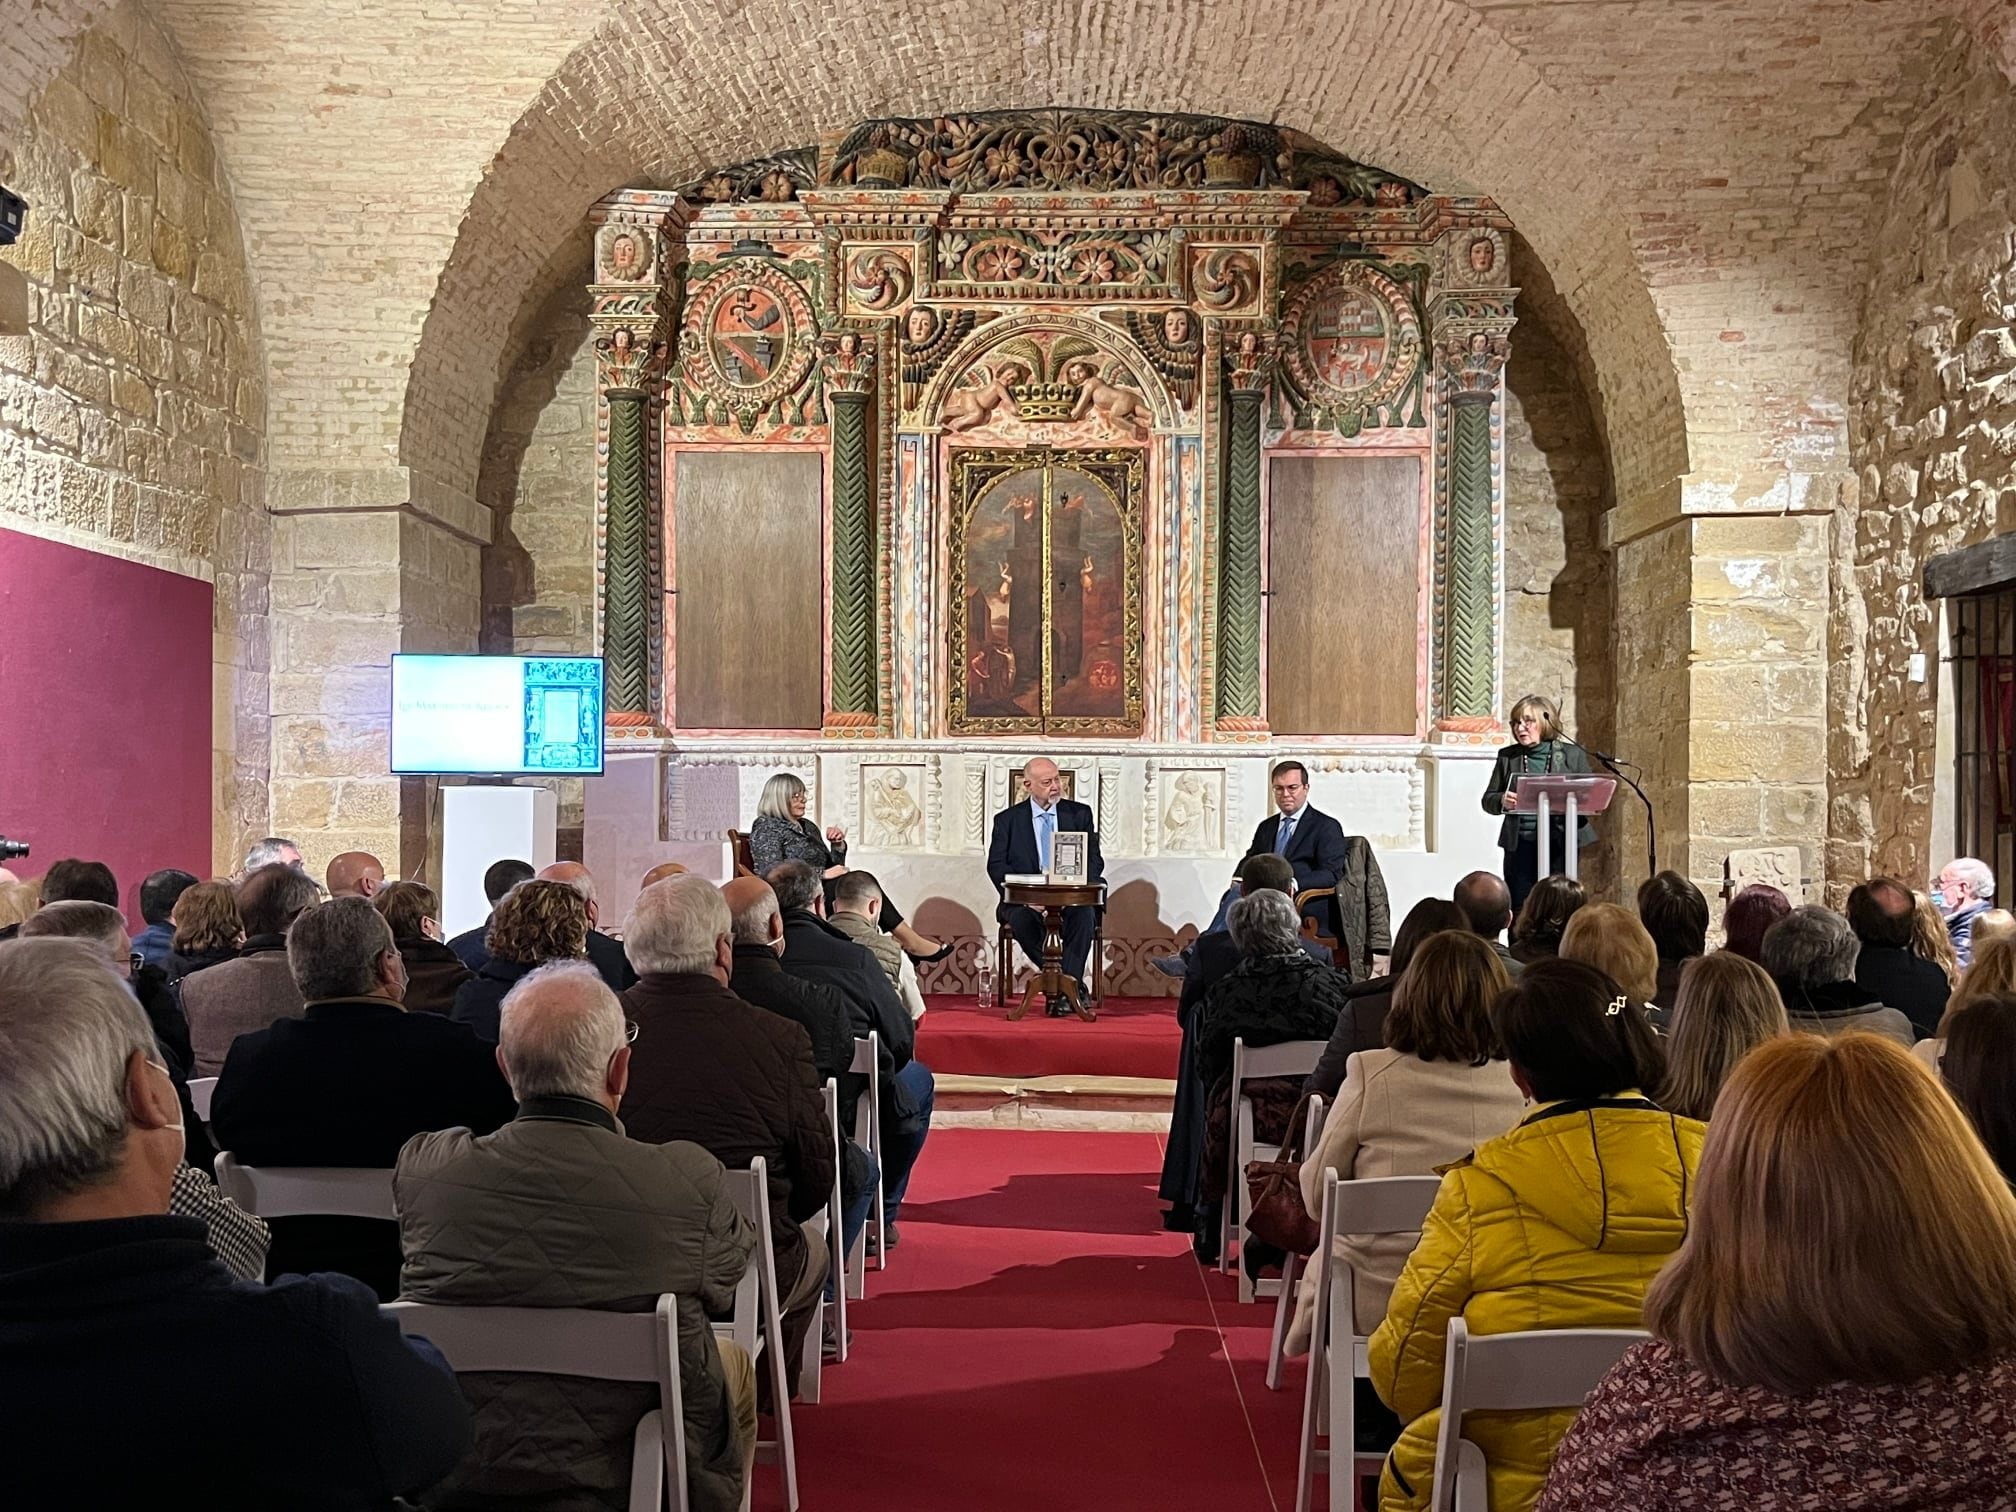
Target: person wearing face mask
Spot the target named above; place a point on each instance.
(348, 1083)
(101, 1284)
(1963, 892)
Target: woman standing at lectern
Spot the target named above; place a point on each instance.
(1538, 749)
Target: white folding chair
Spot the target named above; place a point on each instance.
(1512, 1372)
(1380, 1205)
(868, 1135)
(1284, 1305)
(584, 1342)
(836, 1254)
(758, 1323)
(1290, 1058)
(301, 1191)
(201, 1090)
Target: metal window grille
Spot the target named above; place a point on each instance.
(1984, 726)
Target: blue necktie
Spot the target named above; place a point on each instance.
(1285, 833)
(1046, 824)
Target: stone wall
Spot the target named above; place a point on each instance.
(1933, 427)
(132, 414)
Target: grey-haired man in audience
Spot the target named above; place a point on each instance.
(561, 1208)
(308, 1397)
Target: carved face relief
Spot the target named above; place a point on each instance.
(750, 337)
(1483, 256)
(623, 257)
(1176, 327)
(921, 324)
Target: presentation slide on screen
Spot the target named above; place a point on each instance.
(483, 714)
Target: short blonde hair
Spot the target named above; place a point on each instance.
(1538, 706)
(778, 794)
(1615, 942)
(1726, 1007)
(1993, 971)
(1847, 1225)
(206, 918)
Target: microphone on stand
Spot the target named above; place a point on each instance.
(1616, 769)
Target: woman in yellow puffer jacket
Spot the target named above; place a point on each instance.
(1561, 1223)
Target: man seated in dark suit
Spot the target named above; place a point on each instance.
(1211, 957)
(308, 1398)
(348, 1083)
(498, 880)
(1486, 902)
(732, 1078)
(604, 954)
(814, 951)
(1879, 911)
(1021, 846)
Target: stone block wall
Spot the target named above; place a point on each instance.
(1933, 428)
(133, 413)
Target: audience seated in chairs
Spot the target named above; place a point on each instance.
(257, 989)
(1839, 1329)
(559, 1208)
(1487, 904)
(537, 923)
(209, 930)
(296, 1394)
(1437, 1091)
(1613, 940)
(821, 1011)
(348, 1083)
(855, 904)
(1749, 914)
(1560, 1223)
(1676, 916)
(782, 833)
(1275, 994)
(434, 973)
(1979, 1069)
(814, 951)
(1810, 954)
(1536, 932)
(1211, 957)
(1725, 1008)
(1882, 914)
(733, 1079)
(498, 880)
(67, 881)
(157, 911)
(1993, 972)
(1361, 1023)
(604, 954)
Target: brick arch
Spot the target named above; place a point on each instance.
(1424, 90)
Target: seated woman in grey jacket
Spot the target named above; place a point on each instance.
(783, 833)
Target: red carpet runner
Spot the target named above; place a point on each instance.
(1038, 1344)
(1133, 1037)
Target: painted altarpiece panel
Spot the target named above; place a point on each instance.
(1045, 601)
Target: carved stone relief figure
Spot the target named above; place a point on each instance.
(928, 340)
(1173, 343)
(1191, 816)
(972, 406)
(1122, 409)
(893, 818)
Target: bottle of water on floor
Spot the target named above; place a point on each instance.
(983, 981)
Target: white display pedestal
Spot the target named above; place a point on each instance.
(482, 825)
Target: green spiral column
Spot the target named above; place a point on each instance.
(853, 557)
(626, 589)
(1238, 660)
(1470, 623)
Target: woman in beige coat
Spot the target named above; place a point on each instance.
(1440, 1088)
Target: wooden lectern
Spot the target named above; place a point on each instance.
(1580, 796)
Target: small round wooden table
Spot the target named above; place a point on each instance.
(1051, 899)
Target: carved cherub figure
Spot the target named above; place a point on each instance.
(970, 408)
(1120, 408)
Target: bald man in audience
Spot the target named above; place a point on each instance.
(308, 1396)
(604, 953)
(1487, 904)
(730, 1077)
(355, 874)
(660, 872)
(561, 1208)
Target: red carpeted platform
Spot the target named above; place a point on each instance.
(1039, 1342)
(1133, 1037)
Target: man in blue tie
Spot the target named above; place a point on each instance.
(1024, 834)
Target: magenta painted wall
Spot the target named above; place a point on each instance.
(104, 712)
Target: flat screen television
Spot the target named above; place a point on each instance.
(501, 715)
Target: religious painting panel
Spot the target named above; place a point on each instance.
(1046, 592)
(1344, 607)
(749, 613)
